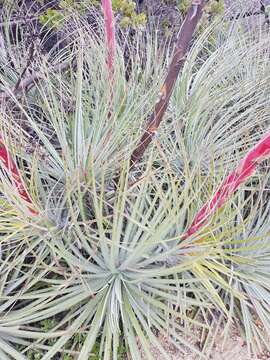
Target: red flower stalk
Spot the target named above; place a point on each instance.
(110, 36)
(11, 168)
(244, 170)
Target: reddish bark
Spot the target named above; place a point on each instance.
(179, 56)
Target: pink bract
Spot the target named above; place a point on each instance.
(110, 35)
(244, 170)
(12, 170)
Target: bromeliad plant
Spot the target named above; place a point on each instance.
(110, 246)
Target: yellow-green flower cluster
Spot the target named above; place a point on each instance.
(127, 9)
(53, 18)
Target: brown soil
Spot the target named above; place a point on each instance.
(233, 348)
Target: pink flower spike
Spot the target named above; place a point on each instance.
(245, 169)
(11, 168)
(110, 36)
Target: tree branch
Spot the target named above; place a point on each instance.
(179, 56)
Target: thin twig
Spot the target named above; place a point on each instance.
(30, 80)
(18, 21)
(29, 61)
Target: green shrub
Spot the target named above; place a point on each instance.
(52, 18)
(127, 9)
(55, 18)
(212, 9)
